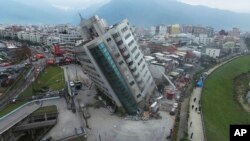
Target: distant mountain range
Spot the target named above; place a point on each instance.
(139, 12)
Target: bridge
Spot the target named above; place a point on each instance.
(14, 117)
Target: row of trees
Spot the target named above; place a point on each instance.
(247, 41)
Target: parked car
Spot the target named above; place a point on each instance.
(177, 98)
(173, 111)
(175, 105)
(82, 105)
(71, 84)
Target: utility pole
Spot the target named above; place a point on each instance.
(74, 52)
(100, 137)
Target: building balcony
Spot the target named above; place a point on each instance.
(128, 59)
(137, 76)
(133, 70)
(135, 73)
(121, 47)
(141, 86)
(117, 39)
(132, 66)
(125, 53)
(139, 80)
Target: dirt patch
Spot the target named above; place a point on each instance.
(241, 88)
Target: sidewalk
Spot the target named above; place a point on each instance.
(195, 125)
(195, 129)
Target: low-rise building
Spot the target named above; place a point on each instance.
(213, 52)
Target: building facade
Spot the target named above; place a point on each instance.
(213, 52)
(113, 61)
(175, 29)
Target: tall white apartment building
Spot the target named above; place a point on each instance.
(203, 39)
(114, 62)
(152, 30)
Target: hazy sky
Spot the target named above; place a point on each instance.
(232, 5)
(66, 4)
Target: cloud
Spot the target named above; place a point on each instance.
(65, 4)
(65, 8)
(232, 5)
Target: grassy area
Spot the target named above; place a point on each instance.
(10, 107)
(52, 77)
(241, 88)
(218, 105)
(247, 41)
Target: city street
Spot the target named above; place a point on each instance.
(40, 64)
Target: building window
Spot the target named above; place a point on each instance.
(119, 42)
(138, 96)
(127, 36)
(132, 83)
(117, 55)
(109, 39)
(130, 63)
(137, 55)
(137, 76)
(148, 78)
(134, 49)
(86, 60)
(116, 35)
(143, 66)
(121, 62)
(133, 70)
(152, 83)
(143, 89)
(131, 42)
(126, 57)
(145, 73)
(140, 62)
(91, 67)
(124, 29)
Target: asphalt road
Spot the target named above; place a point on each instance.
(40, 64)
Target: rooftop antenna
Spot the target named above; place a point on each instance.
(82, 19)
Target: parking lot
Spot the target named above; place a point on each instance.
(109, 127)
(106, 126)
(66, 124)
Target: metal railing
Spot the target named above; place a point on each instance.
(25, 104)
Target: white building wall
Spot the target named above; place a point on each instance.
(203, 39)
(152, 30)
(156, 70)
(212, 52)
(162, 29)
